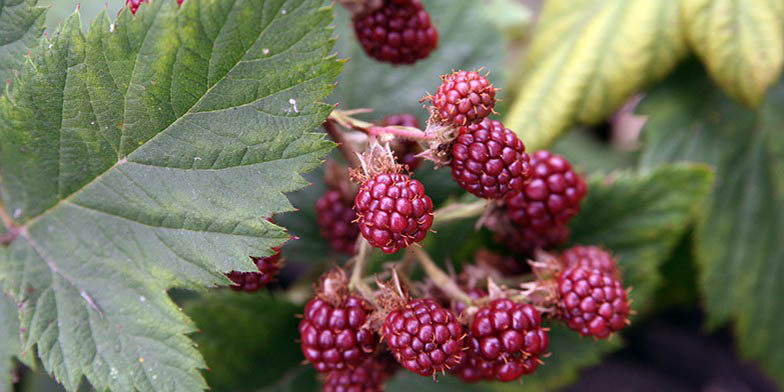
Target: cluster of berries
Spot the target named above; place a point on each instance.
(498, 336)
(133, 5)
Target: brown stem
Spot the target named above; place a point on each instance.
(345, 148)
(440, 278)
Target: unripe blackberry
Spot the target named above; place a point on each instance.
(336, 221)
(552, 197)
(591, 257)
(525, 240)
(133, 5)
(424, 337)
(592, 302)
(393, 211)
(399, 32)
(253, 281)
(463, 98)
(511, 335)
(405, 150)
(489, 160)
(333, 337)
(369, 376)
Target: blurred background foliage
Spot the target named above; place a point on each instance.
(628, 91)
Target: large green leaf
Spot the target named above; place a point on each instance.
(10, 342)
(740, 41)
(739, 242)
(247, 340)
(586, 58)
(146, 156)
(21, 24)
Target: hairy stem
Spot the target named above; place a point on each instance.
(360, 260)
(440, 278)
(345, 148)
(402, 132)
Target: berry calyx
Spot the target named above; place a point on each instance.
(369, 376)
(489, 160)
(394, 211)
(333, 333)
(463, 98)
(399, 32)
(591, 257)
(336, 220)
(424, 337)
(592, 302)
(405, 150)
(511, 335)
(252, 281)
(551, 198)
(133, 5)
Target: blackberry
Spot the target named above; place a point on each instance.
(253, 281)
(399, 32)
(463, 98)
(424, 337)
(592, 302)
(336, 221)
(489, 160)
(369, 376)
(511, 335)
(334, 337)
(405, 150)
(393, 211)
(552, 197)
(592, 257)
(525, 240)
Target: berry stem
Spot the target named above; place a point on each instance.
(440, 278)
(345, 148)
(456, 211)
(345, 119)
(360, 260)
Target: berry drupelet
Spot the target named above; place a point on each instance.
(399, 32)
(369, 376)
(424, 337)
(489, 160)
(463, 98)
(393, 211)
(336, 221)
(591, 257)
(592, 302)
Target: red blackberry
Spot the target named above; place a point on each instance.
(525, 240)
(393, 211)
(366, 377)
(489, 160)
(253, 281)
(463, 98)
(405, 150)
(474, 367)
(592, 257)
(424, 337)
(511, 335)
(552, 197)
(399, 32)
(335, 219)
(592, 302)
(333, 336)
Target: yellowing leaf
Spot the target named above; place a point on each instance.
(587, 57)
(740, 41)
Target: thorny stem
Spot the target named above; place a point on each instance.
(440, 278)
(360, 260)
(343, 145)
(455, 211)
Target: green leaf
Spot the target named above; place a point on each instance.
(10, 342)
(740, 41)
(22, 23)
(467, 40)
(586, 58)
(146, 156)
(248, 340)
(640, 218)
(738, 243)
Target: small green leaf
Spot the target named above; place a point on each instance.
(248, 340)
(22, 23)
(640, 218)
(144, 156)
(740, 41)
(586, 58)
(738, 242)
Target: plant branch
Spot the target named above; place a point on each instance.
(440, 278)
(360, 260)
(456, 211)
(343, 144)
